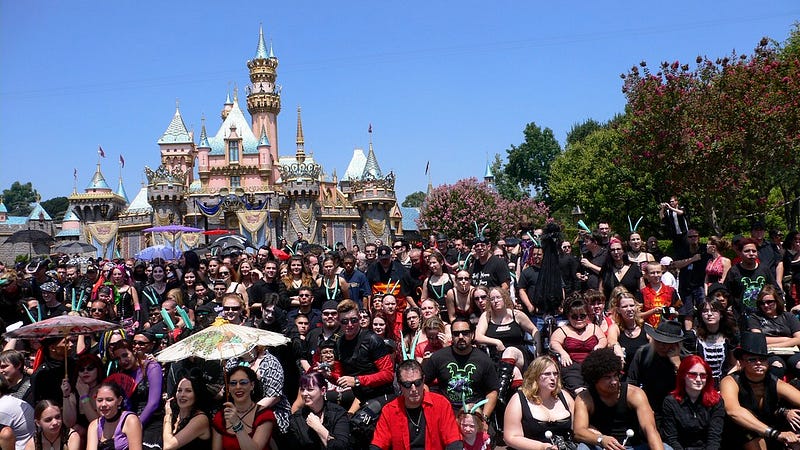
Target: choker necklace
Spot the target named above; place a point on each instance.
(116, 417)
(53, 442)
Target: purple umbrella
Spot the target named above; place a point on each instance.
(172, 229)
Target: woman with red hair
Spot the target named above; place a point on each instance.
(694, 413)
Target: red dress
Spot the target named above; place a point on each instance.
(229, 441)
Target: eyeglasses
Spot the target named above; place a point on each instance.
(408, 384)
(462, 278)
(140, 343)
(242, 383)
(581, 316)
(457, 333)
(766, 302)
(350, 321)
(97, 310)
(697, 375)
(87, 369)
(231, 308)
(329, 313)
(755, 359)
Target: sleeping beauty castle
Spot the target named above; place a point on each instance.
(236, 179)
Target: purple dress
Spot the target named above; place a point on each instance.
(120, 439)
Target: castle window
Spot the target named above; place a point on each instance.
(236, 182)
(233, 151)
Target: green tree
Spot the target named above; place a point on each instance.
(580, 131)
(506, 187)
(18, 198)
(593, 174)
(529, 163)
(56, 207)
(414, 200)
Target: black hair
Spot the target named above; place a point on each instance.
(408, 365)
(598, 364)
(258, 391)
(464, 320)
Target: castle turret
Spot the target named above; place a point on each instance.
(177, 147)
(373, 194)
(264, 96)
(166, 194)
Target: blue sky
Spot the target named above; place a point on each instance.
(447, 82)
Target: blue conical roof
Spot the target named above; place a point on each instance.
(203, 137)
(176, 132)
(3, 208)
(488, 173)
(121, 191)
(371, 167)
(98, 180)
(70, 216)
(261, 51)
(264, 140)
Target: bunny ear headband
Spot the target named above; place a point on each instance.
(632, 226)
(474, 407)
(479, 233)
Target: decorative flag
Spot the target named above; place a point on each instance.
(370, 128)
(427, 167)
(101, 152)
(75, 173)
(121, 161)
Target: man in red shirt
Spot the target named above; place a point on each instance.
(416, 420)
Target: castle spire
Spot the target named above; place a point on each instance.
(301, 151)
(203, 135)
(261, 50)
(176, 131)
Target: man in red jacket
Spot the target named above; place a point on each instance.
(416, 419)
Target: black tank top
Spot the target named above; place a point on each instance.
(511, 334)
(533, 428)
(616, 419)
(631, 345)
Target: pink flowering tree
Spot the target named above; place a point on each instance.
(454, 209)
(722, 133)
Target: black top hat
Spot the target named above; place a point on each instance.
(668, 332)
(716, 287)
(753, 344)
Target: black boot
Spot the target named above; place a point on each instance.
(505, 372)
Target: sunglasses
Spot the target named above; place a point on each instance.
(231, 308)
(462, 278)
(697, 375)
(350, 321)
(408, 384)
(480, 297)
(140, 343)
(565, 247)
(87, 369)
(329, 313)
(766, 302)
(457, 333)
(578, 316)
(397, 247)
(242, 383)
(97, 310)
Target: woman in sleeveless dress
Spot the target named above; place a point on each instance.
(618, 271)
(50, 428)
(540, 405)
(574, 341)
(127, 308)
(458, 299)
(115, 429)
(718, 266)
(242, 423)
(295, 278)
(186, 424)
(330, 286)
(437, 285)
(627, 334)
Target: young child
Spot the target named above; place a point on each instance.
(656, 295)
(470, 422)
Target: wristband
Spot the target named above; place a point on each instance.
(85, 398)
(772, 433)
(238, 427)
(782, 411)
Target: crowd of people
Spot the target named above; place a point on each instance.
(535, 341)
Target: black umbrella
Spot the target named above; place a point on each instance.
(231, 242)
(74, 247)
(30, 237)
